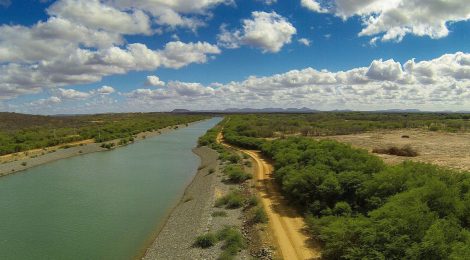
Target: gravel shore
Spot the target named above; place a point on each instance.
(23, 162)
(193, 215)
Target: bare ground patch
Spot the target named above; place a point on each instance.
(445, 149)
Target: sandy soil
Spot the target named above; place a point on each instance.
(13, 163)
(286, 224)
(445, 149)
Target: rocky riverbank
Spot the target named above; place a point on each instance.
(196, 215)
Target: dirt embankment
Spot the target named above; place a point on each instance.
(441, 148)
(13, 163)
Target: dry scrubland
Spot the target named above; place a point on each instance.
(441, 148)
(356, 205)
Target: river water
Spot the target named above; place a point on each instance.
(97, 206)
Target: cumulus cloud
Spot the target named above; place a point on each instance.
(154, 81)
(86, 66)
(304, 41)
(105, 90)
(84, 41)
(173, 13)
(393, 19)
(96, 15)
(266, 31)
(72, 94)
(46, 101)
(312, 5)
(439, 83)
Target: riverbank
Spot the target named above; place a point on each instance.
(191, 216)
(196, 214)
(10, 164)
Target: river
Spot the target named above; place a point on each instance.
(104, 205)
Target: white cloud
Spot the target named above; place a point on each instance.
(393, 19)
(441, 83)
(154, 81)
(96, 15)
(268, 2)
(46, 101)
(267, 31)
(304, 41)
(72, 94)
(312, 5)
(86, 66)
(105, 90)
(173, 13)
(83, 41)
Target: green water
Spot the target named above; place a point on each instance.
(97, 206)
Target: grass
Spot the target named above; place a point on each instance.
(232, 200)
(219, 214)
(252, 201)
(205, 241)
(406, 151)
(236, 174)
(258, 215)
(234, 242)
(232, 238)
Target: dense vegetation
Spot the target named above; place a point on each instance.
(357, 206)
(335, 123)
(20, 132)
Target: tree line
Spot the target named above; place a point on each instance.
(358, 207)
(20, 132)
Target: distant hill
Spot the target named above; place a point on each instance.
(180, 111)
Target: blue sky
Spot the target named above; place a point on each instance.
(263, 62)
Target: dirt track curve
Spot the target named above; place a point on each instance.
(287, 226)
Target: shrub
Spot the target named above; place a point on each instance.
(233, 158)
(24, 163)
(232, 200)
(219, 214)
(236, 174)
(233, 242)
(252, 201)
(259, 215)
(406, 151)
(205, 241)
(108, 146)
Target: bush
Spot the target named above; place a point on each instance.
(233, 242)
(232, 200)
(108, 146)
(406, 151)
(252, 201)
(205, 241)
(219, 214)
(236, 174)
(24, 163)
(259, 215)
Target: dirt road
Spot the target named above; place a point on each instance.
(286, 224)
